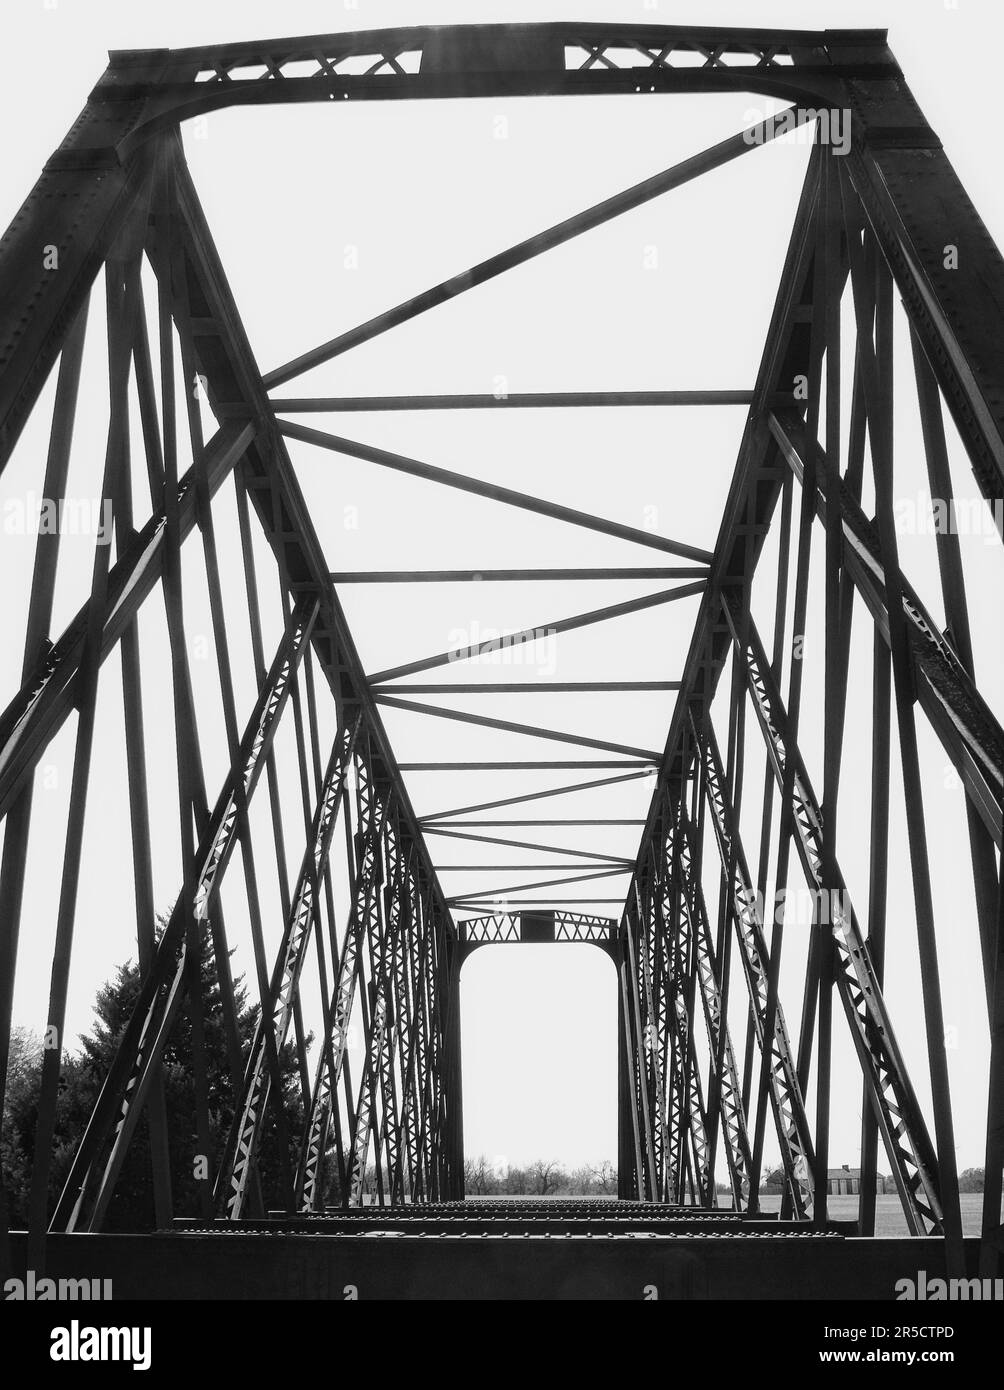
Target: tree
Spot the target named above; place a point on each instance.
(515, 1182)
(479, 1177)
(604, 1178)
(547, 1176)
(81, 1078)
(971, 1180)
(582, 1182)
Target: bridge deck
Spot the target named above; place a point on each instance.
(522, 1250)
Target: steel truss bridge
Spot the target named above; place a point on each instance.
(693, 1100)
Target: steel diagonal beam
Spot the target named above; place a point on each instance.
(564, 231)
(234, 384)
(682, 982)
(530, 765)
(660, 955)
(532, 634)
(493, 492)
(506, 726)
(704, 1178)
(675, 944)
(361, 925)
(49, 693)
(233, 381)
(494, 868)
(376, 1111)
(524, 844)
(786, 355)
(904, 184)
(654, 984)
(966, 726)
(791, 1123)
(398, 1060)
(953, 588)
(427, 822)
(647, 1062)
(397, 1043)
(640, 1175)
(236, 1170)
(738, 1151)
(435, 1102)
(677, 1016)
(17, 826)
(900, 1119)
(408, 965)
(393, 1123)
(643, 942)
(415, 1064)
(83, 198)
(93, 1174)
(483, 893)
(116, 463)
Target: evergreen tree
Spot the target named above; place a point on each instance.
(132, 1207)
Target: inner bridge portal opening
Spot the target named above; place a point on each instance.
(539, 1049)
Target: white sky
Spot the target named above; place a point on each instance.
(324, 217)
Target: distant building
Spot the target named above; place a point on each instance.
(846, 1181)
(840, 1182)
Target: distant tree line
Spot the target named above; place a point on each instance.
(541, 1178)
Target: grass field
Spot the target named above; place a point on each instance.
(889, 1220)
